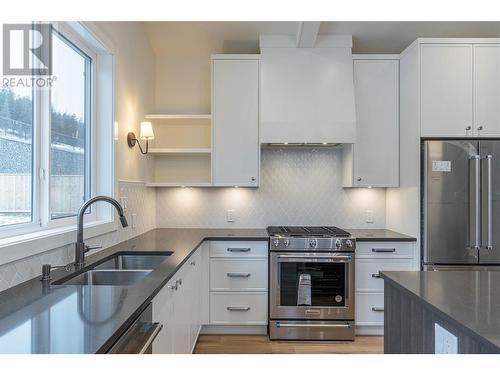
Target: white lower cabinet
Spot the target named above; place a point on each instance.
(221, 284)
(371, 259)
(178, 307)
(370, 310)
(238, 308)
(238, 274)
(238, 286)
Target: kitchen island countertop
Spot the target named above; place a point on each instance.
(470, 300)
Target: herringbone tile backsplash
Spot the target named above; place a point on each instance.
(300, 186)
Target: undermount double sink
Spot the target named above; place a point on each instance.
(119, 269)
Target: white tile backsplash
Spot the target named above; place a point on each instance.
(141, 201)
(300, 186)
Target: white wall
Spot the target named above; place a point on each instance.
(183, 52)
(134, 97)
(134, 93)
(298, 186)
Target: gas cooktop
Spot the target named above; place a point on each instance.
(329, 231)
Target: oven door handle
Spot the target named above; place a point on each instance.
(315, 257)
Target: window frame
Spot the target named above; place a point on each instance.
(101, 219)
(73, 41)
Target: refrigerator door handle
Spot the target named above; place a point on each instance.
(486, 197)
(474, 202)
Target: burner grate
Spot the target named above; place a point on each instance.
(302, 231)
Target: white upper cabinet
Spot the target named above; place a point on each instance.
(307, 95)
(487, 90)
(374, 159)
(460, 88)
(235, 120)
(446, 90)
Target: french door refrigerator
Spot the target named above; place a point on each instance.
(461, 203)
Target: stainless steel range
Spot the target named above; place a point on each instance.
(311, 294)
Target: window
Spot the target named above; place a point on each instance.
(69, 128)
(16, 156)
(48, 137)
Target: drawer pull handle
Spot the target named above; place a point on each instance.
(238, 274)
(381, 250)
(378, 309)
(238, 308)
(238, 249)
(376, 275)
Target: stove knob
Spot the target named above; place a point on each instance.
(338, 244)
(349, 243)
(276, 242)
(313, 243)
(286, 242)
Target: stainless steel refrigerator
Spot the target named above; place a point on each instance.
(461, 204)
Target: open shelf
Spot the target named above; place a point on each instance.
(178, 117)
(180, 151)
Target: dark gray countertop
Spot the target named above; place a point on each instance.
(470, 298)
(385, 235)
(89, 319)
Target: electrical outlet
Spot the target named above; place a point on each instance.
(230, 216)
(369, 216)
(133, 219)
(444, 341)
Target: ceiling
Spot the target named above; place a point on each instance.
(243, 37)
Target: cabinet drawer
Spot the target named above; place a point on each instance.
(385, 249)
(238, 274)
(367, 271)
(238, 249)
(238, 308)
(369, 309)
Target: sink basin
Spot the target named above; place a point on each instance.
(125, 268)
(133, 261)
(108, 277)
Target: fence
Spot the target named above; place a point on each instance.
(67, 193)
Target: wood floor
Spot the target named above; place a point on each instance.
(239, 344)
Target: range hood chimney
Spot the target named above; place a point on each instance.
(307, 93)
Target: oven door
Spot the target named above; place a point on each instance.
(312, 286)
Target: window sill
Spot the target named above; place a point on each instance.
(23, 246)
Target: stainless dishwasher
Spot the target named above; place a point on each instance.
(139, 337)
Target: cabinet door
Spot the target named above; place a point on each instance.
(487, 90)
(195, 297)
(181, 312)
(235, 116)
(376, 151)
(446, 90)
(163, 313)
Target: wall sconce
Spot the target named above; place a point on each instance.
(146, 134)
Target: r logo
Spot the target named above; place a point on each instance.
(27, 49)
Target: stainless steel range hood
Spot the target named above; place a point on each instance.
(307, 94)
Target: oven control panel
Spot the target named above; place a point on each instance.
(277, 243)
